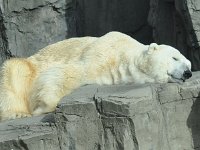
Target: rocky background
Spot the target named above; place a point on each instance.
(27, 26)
(122, 117)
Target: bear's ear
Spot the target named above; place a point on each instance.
(152, 47)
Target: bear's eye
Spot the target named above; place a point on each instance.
(176, 59)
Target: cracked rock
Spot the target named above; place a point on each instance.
(30, 26)
(34, 24)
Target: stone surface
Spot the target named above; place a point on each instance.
(4, 51)
(189, 12)
(30, 26)
(29, 134)
(27, 26)
(99, 17)
(118, 117)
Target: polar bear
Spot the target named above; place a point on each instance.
(35, 85)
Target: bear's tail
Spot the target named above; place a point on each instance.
(17, 77)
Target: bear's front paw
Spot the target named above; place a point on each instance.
(15, 116)
(21, 115)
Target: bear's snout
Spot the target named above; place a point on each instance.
(187, 74)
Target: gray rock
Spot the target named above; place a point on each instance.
(4, 50)
(33, 25)
(29, 134)
(189, 12)
(118, 117)
(96, 18)
(27, 26)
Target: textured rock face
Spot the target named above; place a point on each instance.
(129, 117)
(99, 17)
(189, 12)
(4, 51)
(28, 26)
(28, 134)
(32, 25)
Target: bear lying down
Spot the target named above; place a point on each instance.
(35, 85)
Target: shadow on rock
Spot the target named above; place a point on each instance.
(193, 122)
(48, 118)
(71, 18)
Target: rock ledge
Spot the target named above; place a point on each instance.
(120, 117)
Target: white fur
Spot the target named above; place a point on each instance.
(35, 85)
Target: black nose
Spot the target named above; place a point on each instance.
(187, 74)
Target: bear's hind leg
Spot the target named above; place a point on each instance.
(15, 83)
(11, 106)
(51, 85)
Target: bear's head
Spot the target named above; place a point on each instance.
(166, 64)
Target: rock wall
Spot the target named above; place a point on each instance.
(32, 25)
(120, 117)
(4, 51)
(27, 26)
(99, 17)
